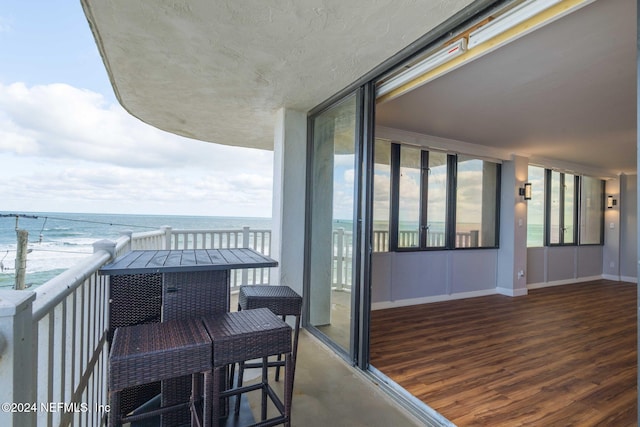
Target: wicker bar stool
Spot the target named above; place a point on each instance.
(152, 352)
(246, 335)
(282, 301)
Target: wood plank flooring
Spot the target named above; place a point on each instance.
(560, 356)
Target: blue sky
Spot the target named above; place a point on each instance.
(66, 145)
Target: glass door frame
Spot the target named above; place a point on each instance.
(358, 351)
(364, 88)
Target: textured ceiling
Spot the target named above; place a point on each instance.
(218, 70)
(565, 92)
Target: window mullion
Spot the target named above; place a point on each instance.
(452, 183)
(424, 197)
(577, 212)
(395, 197)
(547, 207)
(561, 210)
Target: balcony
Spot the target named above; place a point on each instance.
(54, 352)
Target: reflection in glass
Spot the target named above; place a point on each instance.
(569, 209)
(554, 217)
(535, 207)
(332, 221)
(409, 212)
(476, 203)
(437, 203)
(591, 210)
(381, 195)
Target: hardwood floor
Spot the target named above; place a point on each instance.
(560, 356)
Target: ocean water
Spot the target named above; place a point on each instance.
(57, 241)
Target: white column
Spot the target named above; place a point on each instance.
(17, 366)
(512, 255)
(289, 187)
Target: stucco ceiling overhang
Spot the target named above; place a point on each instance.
(218, 70)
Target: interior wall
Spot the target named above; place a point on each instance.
(628, 228)
(408, 278)
(557, 265)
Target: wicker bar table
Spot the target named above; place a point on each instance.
(148, 286)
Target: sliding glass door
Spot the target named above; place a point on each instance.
(332, 232)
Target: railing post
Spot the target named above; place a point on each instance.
(105, 245)
(129, 234)
(245, 244)
(167, 236)
(339, 258)
(474, 238)
(17, 358)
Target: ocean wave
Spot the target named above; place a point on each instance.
(32, 280)
(58, 228)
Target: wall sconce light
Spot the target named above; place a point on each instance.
(525, 191)
(611, 202)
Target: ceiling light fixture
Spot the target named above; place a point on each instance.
(509, 20)
(442, 56)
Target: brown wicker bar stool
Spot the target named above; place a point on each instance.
(152, 352)
(282, 301)
(246, 335)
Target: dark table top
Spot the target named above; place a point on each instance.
(187, 260)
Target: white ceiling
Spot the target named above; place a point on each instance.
(218, 70)
(565, 92)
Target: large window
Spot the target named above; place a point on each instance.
(381, 195)
(535, 207)
(437, 207)
(409, 197)
(591, 211)
(425, 207)
(565, 209)
(476, 203)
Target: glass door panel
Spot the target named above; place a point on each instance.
(333, 253)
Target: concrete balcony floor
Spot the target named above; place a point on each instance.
(329, 392)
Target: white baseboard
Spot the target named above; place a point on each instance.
(567, 282)
(497, 291)
(513, 292)
(628, 279)
(426, 300)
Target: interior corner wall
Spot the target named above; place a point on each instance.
(628, 204)
(512, 255)
(289, 178)
(611, 249)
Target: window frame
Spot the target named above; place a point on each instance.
(602, 212)
(451, 201)
(576, 214)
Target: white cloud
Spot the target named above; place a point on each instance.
(61, 121)
(66, 149)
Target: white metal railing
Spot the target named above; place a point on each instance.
(168, 238)
(57, 334)
(53, 349)
(342, 244)
(342, 260)
(410, 239)
(256, 239)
